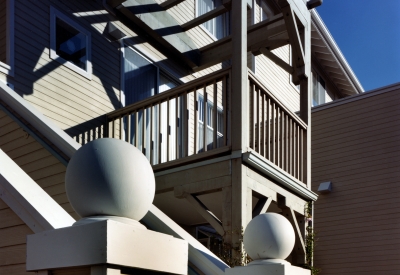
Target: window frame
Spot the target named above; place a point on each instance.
(322, 93)
(54, 13)
(211, 35)
(8, 67)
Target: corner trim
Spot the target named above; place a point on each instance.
(270, 169)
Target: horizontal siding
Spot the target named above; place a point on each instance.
(277, 80)
(60, 93)
(33, 159)
(13, 233)
(356, 146)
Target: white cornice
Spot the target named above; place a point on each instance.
(331, 44)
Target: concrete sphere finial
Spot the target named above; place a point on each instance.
(269, 236)
(110, 177)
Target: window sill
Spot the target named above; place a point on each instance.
(87, 74)
(5, 68)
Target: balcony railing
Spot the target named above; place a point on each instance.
(183, 122)
(192, 122)
(276, 133)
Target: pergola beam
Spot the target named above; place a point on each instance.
(204, 18)
(170, 3)
(269, 33)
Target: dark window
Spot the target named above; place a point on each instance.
(71, 44)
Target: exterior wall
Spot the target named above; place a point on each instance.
(13, 233)
(356, 147)
(277, 80)
(35, 160)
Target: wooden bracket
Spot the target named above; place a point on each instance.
(277, 60)
(180, 192)
(294, 37)
(297, 229)
(206, 214)
(261, 206)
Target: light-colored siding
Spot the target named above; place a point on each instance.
(13, 233)
(276, 79)
(35, 160)
(61, 94)
(356, 146)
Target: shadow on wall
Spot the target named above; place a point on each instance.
(32, 62)
(89, 130)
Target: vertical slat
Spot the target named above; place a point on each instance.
(257, 94)
(282, 136)
(273, 132)
(291, 153)
(186, 125)
(301, 155)
(252, 126)
(295, 149)
(137, 129)
(277, 124)
(114, 128)
(304, 159)
(224, 109)
(215, 106)
(128, 128)
(263, 124)
(160, 137)
(144, 131)
(177, 127)
(151, 149)
(268, 129)
(286, 143)
(196, 121)
(120, 127)
(205, 119)
(298, 150)
(168, 129)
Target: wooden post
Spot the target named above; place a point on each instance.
(241, 196)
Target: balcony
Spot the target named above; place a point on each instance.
(192, 122)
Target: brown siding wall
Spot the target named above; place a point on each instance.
(356, 146)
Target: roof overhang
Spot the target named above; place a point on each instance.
(326, 52)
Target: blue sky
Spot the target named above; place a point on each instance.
(368, 34)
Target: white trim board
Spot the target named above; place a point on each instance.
(38, 121)
(375, 92)
(268, 168)
(28, 200)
